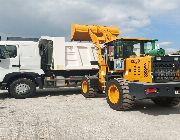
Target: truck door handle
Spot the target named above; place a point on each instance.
(0, 60)
(16, 65)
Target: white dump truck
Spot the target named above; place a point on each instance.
(47, 63)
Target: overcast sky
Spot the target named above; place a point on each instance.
(136, 18)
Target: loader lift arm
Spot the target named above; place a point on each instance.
(98, 35)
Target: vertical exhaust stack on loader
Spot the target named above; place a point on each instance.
(128, 70)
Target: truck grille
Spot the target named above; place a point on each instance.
(166, 69)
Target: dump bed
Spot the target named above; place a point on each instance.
(68, 55)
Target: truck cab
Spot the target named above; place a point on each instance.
(19, 60)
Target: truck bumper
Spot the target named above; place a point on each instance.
(139, 90)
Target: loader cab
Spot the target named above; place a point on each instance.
(115, 52)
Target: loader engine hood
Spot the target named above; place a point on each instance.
(151, 69)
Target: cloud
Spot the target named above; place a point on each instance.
(165, 44)
(171, 50)
(53, 17)
(168, 47)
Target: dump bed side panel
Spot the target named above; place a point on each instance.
(72, 55)
(80, 55)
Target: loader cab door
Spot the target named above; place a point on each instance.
(9, 60)
(114, 57)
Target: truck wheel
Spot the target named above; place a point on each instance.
(117, 95)
(22, 88)
(166, 101)
(86, 89)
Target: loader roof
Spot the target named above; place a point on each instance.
(134, 39)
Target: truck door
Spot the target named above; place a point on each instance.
(9, 60)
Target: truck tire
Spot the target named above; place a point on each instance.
(86, 88)
(22, 88)
(166, 101)
(117, 95)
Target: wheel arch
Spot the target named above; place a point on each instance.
(110, 76)
(35, 77)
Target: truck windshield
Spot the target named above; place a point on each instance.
(8, 51)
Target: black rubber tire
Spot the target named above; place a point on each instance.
(166, 101)
(27, 94)
(126, 101)
(91, 92)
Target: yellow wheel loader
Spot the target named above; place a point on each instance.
(129, 69)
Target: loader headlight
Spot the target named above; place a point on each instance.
(158, 58)
(176, 58)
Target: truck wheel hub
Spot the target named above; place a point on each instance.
(22, 88)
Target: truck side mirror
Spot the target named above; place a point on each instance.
(2, 55)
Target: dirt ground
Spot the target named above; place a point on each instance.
(66, 115)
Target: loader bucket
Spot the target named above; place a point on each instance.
(81, 32)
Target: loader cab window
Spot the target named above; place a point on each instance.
(149, 45)
(8, 51)
(136, 49)
(131, 48)
(115, 50)
(118, 50)
(110, 56)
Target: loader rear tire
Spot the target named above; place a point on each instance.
(166, 101)
(117, 95)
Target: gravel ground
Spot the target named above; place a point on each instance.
(67, 115)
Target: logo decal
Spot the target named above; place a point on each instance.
(136, 61)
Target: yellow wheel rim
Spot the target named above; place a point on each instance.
(84, 87)
(113, 94)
